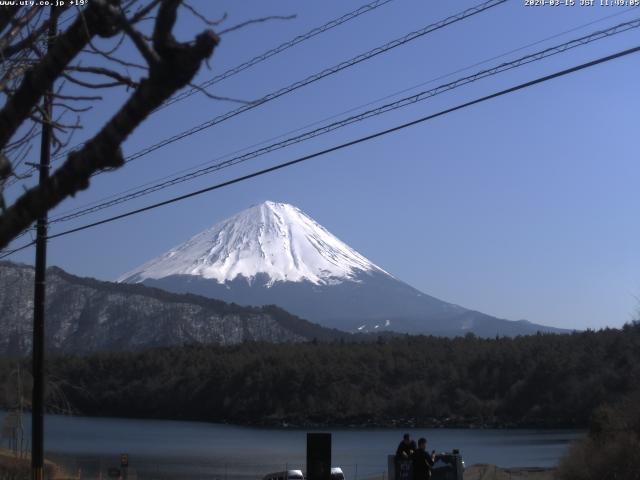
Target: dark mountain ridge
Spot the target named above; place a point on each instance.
(371, 302)
(87, 315)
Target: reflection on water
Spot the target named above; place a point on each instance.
(203, 450)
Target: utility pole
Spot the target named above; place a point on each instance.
(37, 412)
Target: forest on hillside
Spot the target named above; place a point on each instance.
(543, 380)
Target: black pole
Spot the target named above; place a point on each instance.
(37, 412)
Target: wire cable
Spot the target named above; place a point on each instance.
(401, 103)
(341, 146)
(337, 115)
(260, 58)
(316, 77)
(279, 49)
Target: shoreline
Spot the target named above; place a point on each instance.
(382, 424)
(9, 463)
(493, 472)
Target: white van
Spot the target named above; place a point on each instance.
(285, 475)
(337, 474)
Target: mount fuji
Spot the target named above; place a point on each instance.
(273, 253)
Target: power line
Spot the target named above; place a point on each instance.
(262, 57)
(104, 200)
(7, 253)
(279, 49)
(335, 148)
(401, 103)
(318, 76)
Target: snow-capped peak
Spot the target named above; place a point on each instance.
(276, 239)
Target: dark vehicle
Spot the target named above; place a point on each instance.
(447, 466)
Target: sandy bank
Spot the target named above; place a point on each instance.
(491, 472)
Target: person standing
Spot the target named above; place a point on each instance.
(404, 451)
(422, 461)
(403, 463)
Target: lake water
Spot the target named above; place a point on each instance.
(171, 449)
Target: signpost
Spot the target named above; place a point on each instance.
(318, 456)
(124, 463)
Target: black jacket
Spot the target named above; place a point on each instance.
(422, 463)
(403, 451)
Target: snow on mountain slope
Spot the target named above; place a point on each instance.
(274, 239)
(274, 254)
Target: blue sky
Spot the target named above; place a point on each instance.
(522, 207)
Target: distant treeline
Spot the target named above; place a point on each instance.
(541, 380)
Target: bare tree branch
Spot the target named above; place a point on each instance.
(256, 20)
(122, 79)
(72, 108)
(22, 154)
(99, 15)
(5, 167)
(141, 44)
(92, 85)
(114, 59)
(25, 138)
(111, 51)
(142, 13)
(15, 69)
(6, 15)
(205, 20)
(17, 27)
(218, 97)
(85, 98)
(177, 65)
(7, 51)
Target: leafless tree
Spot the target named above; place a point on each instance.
(87, 55)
